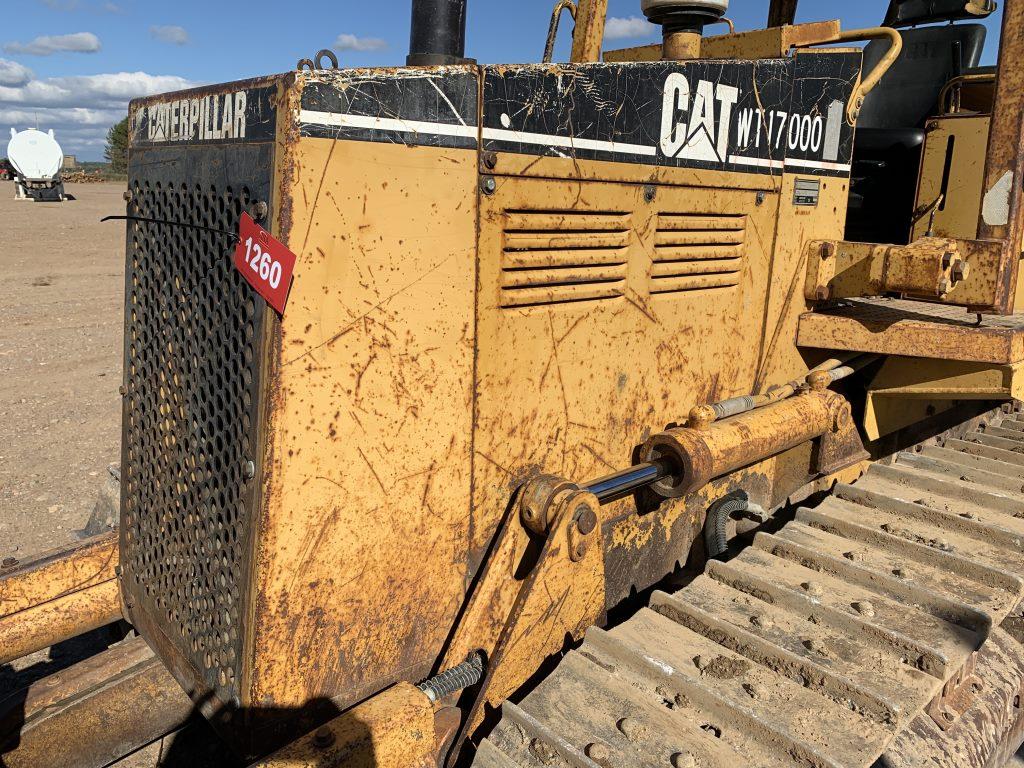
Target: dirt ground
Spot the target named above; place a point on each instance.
(60, 362)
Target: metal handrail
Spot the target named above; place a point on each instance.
(956, 86)
(878, 72)
(556, 17)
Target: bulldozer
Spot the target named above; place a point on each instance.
(661, 407)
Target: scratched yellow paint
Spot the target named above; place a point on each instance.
(570, 386)
(964, 140)
(361, 558)
(786, 302)
(422, 374)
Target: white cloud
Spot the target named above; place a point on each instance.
(78, 42)
(346, 42)
(169, 34)
(92, 91)
(13, 74)
(635, 26)
(80, 109)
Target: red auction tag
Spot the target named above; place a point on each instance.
(264, 262)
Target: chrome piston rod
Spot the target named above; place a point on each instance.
(622, 483)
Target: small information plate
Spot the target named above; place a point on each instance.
(264, 262)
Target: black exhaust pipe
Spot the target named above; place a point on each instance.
(438, 33)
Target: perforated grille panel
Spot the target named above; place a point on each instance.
(193, 335)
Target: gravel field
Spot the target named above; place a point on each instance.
(60, 362)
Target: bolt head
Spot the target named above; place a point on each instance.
(323, 738)
(489, 185)
(650, 193)
(260, 210)
(944, 286)
(586, 520)
(9, 562)
(127, 195)
(961, 269)
(490, 160)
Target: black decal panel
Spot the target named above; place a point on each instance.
(755, 116)
(763, 117)
(435, 107)
(222, 114)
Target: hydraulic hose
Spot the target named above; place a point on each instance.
(716, 539)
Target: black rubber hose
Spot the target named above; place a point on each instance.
(716, 539)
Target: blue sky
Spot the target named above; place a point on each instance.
(74, 64)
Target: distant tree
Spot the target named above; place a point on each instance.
(117, 147)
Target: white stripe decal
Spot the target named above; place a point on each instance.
(386, 124)
(569, 142)
(541, 139)
(757, 162)
(818, 165)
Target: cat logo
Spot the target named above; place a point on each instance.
(204, 118)
(697, 126)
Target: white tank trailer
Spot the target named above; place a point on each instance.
(37, 159)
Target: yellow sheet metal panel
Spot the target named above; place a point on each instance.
(370, 429)
(572, 372)
(952, 165)
(908, 390)
(785, 288)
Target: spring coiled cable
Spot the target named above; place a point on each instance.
(457, 678)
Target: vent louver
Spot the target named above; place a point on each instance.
(556, 257)
(698, 251)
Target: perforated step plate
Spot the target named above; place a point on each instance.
(875, 629)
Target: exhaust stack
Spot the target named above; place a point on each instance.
(438, 33)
